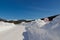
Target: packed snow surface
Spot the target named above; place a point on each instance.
(10, 31)
(35, 30)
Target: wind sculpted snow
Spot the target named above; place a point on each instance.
(33, 30)
(49, 31)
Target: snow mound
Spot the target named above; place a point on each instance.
(33, 29)
(47, 31)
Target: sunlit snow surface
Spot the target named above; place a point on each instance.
(47, 31)
(35, 30)
(10, 31)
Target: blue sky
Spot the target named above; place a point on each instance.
(28, 9)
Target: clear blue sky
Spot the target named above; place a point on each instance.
(28, 9)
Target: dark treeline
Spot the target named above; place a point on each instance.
(19, 21)
(51, 17)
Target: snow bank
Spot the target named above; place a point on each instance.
(33, 29)
(49, 31)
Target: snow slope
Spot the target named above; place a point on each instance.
(35, 30)
(49, 31)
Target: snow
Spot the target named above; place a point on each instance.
(10, 31)
(35, 30)
(49, 31)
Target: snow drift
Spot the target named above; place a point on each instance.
(30, 30)
(48, 31)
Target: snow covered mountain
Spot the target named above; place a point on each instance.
(40, 29)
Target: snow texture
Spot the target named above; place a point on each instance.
(48, 31)
(35, 30)
(10, 31)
